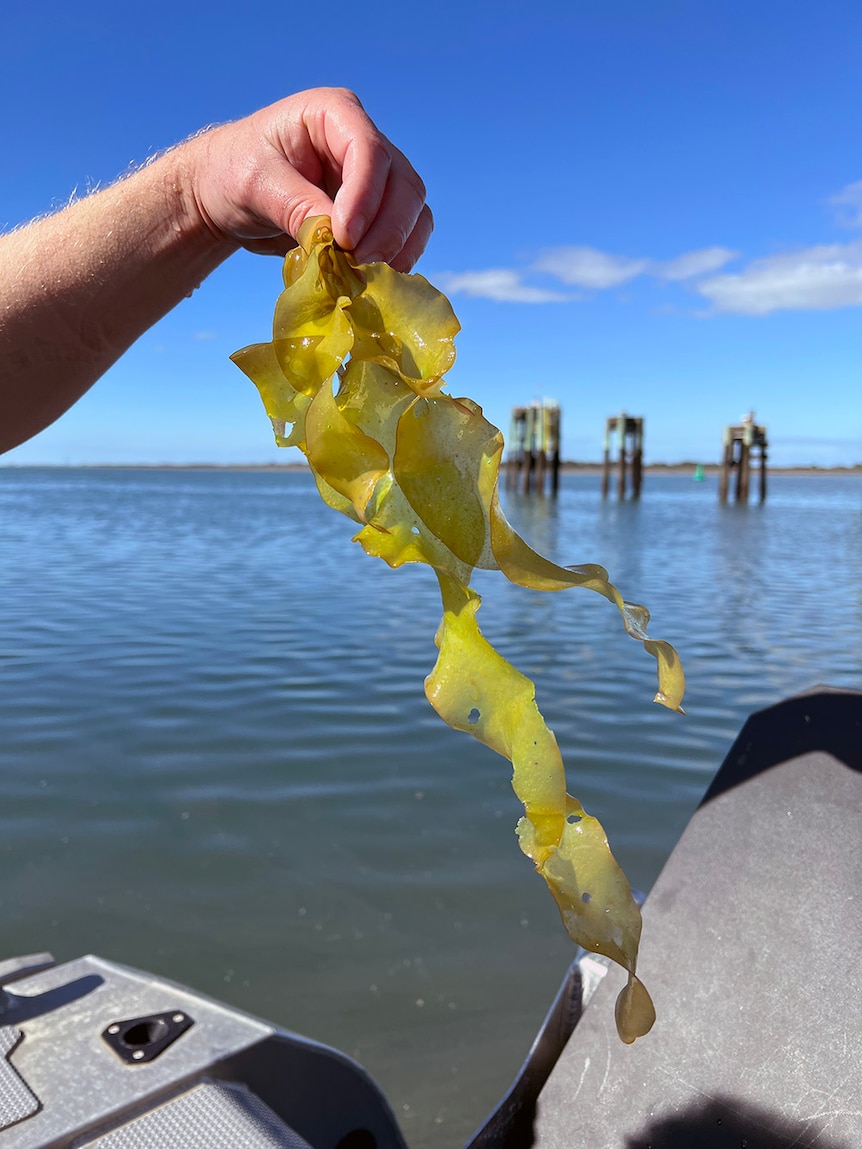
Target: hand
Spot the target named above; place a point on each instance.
(89, 280)
(256, 180)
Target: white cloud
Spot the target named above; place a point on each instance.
(817, 278)
(813, 279)
(204, 336)
(584, 267)
(694, 263)
(849, 204)
(499, 284)
(588, 267)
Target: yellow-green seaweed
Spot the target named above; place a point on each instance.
(356, 366)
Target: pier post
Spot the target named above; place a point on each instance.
(530, 450)
(606, 461)
(628, 431)
(534, 448)
(738, 445)
(726, 464)
(552, 414)
(517, 427)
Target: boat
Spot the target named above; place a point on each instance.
(752, 950)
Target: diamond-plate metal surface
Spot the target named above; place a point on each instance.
(16, 1100)
(207, 1117)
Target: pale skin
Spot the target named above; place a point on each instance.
(77, 288)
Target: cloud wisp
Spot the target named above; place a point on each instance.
(587, 267)
(819, 278)
(502, 285)
(693, 264)
(584, 268)
(822, 277)
(848, 205)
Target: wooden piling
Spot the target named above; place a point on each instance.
(534, 448)
(628, 431)
(739, 444)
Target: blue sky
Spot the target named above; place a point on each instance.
(644, 206)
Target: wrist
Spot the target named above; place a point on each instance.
(180, 176)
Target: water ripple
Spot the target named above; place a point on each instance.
(218, 761)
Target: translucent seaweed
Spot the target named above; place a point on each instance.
(355, 369)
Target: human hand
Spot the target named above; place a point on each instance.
(256, 180)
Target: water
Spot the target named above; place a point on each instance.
(217, 761)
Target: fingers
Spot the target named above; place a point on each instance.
(388, 197)
(316, 153)
(380, 197)
(416, 242)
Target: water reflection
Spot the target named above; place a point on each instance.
(218, 761)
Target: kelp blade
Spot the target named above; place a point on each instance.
(357, 365)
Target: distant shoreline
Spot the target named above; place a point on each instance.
(569, 468)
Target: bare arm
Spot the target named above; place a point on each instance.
(79, 287)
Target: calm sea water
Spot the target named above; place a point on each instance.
(217, 761)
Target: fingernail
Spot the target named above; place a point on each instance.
(356, 228)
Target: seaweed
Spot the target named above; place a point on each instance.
(354, 377)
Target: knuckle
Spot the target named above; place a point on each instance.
(349, 95)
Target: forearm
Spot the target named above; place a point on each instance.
(79, 287)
